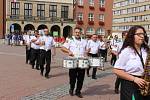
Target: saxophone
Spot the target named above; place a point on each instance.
(146, 90)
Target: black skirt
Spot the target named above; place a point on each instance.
(130, 91)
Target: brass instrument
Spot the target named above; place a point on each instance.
(146, 90)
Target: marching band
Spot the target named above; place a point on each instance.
(83, 54)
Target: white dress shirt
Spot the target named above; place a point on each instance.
(102, 45)
(26, 38)
(49, 42)
(130, 62)
(115, 45)
(77, 47)
(93, 46)
(33, 45)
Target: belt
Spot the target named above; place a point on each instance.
(137, 76)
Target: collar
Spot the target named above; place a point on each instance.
(78, 39)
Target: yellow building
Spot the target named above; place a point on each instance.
(127, 13)
(56, 15)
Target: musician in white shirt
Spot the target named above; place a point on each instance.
(129, 65)
(76, 47)
(103, 48)
(26, 39)
(114, 49)
(35, 49)
(92, 47)
(46, 47)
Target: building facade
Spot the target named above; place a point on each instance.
(93, 16)
(2, 18)
(25, 15)
(127, 13)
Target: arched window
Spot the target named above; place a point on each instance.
(100, 31)
(90, 30)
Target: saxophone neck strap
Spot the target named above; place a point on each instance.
(140, 55)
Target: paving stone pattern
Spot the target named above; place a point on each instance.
(60, 91)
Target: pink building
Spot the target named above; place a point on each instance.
(94, 16)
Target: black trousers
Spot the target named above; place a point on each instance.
(28, 54)
(35, 54)
(94, 69)
(113, 59)
(45, 58)
(76, 74)
(130, 89)
(117, 83)
(103, 53)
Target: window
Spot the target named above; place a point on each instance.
(80, 16)
(91, 2)
(41, 11)
(53, 11)
(91, 17)
(90, 30)
(101, 17)
(80, 2)
(100, 31)
(64, 12)
(15, 9)
(27, 10)
(101, 3)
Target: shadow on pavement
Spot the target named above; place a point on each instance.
(99, 90)
(59, 74)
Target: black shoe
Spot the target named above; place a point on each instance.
(94, 78)
(79, 95)
(71, 92)
(88, 75)
(47, 76)
(116, 91)
(37, 68)
(41, 74)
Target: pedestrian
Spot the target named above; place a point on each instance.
(76, 47)
(129, 66)
(92, 47)
(46, 46)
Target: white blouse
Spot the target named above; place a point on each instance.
(130, 62)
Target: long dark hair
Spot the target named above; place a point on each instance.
(129, 41)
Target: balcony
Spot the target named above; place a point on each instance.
(91, 22)
(28, 18)
(101, 23)
(80, 5)
(91, 7)
(102, 8)
(37, 19)
(14, 17)
(80, 22)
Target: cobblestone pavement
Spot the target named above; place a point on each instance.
(60, 91)
(19, 82)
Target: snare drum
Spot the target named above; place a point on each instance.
(94, 61)
(83, 63)
(70, 63)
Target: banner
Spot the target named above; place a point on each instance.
(55, 33)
